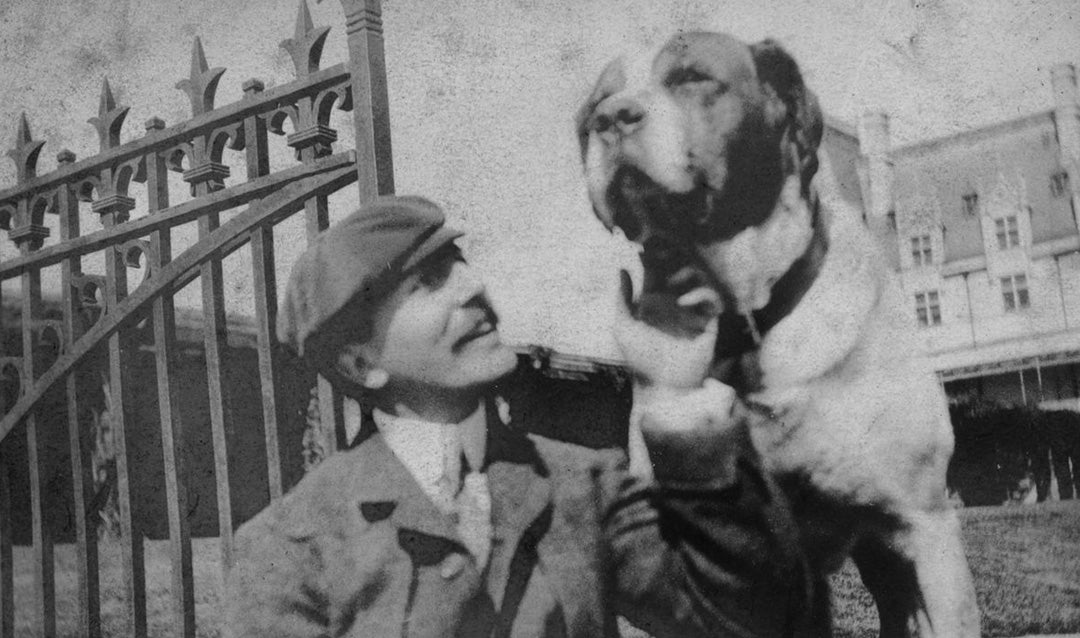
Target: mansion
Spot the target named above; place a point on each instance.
(982, 228)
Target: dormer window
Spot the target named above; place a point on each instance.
(971, 203)
(1008, 232)
(1059, 184)
(921, 254)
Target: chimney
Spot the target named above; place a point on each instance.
(1066, 109)
(874, 134)
(1067, 120)
(874, 147)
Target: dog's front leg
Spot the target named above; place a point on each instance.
(891, 578)
(919, 578)
(944, 578)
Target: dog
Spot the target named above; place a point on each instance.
(704, 152)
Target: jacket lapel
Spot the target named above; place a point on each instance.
(520, 494)
(439, 580)
(386, 489)
(517, 476)
(521, 499)
(524, 498)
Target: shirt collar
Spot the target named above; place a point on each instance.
(430, 450)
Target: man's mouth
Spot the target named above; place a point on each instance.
(484, 326)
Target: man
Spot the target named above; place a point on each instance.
(450, 522)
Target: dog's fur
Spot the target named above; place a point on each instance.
(703, 152)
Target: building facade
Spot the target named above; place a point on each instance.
(982, 228)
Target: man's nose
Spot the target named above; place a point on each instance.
(619, 116)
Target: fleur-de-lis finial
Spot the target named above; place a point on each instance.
(25, 153)
(110, 118)
(202, 84)
(305, 47)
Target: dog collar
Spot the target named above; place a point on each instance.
(735, 335)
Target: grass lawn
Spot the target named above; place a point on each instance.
(208, 584)
(1026, 562)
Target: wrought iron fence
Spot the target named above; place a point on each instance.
(100, 314)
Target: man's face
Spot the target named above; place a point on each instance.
(437, 332)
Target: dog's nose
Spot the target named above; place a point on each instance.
(621, 116)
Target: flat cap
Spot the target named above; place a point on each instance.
(361, 257)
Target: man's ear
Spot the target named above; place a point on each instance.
(355, 364)
(792, 107)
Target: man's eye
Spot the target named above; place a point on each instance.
(435, 275)
(431, 278)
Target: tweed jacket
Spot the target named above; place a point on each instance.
(357, 549)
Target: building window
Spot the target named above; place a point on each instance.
(971, 203)
(1059, 184)
(928, 308)
(921, 255)
(1014, 292)
(1008, 232)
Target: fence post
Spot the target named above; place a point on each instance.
(7, 564)
(205, 174)
(114, 208)
(80, 440)
(371, 108)
(29, 233)
(265, 288)
(374, 161)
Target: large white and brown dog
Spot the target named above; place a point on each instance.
(703, 151)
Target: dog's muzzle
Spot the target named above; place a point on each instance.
(661, 222)
(640, 208)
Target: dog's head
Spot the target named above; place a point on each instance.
(701, 151)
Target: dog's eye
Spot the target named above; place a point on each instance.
(601, 122)
(686, 75)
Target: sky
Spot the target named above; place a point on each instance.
(482, 97)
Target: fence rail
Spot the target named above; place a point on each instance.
(95, 335)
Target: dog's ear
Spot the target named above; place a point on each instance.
(581, 124)
(793, 107)
(611, 80)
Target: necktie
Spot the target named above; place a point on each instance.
(473, 504)
(468, 498)
(438, 456)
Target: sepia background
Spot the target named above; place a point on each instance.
(482, 95)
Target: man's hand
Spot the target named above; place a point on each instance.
(668, 342)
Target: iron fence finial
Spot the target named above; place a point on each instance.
(25, 153)
(110, 118)
(201, 86)
(305, 47)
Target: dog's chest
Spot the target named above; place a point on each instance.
(860, 433)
